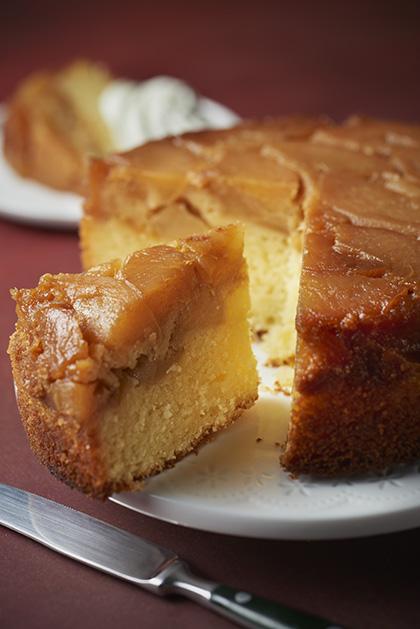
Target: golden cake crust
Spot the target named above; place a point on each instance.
(58, 442)
(360, 417)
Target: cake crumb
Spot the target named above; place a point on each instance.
(258, 335)
(258, 439)
(289, 361)
(279, 388)
(267, 389)
(167, 413)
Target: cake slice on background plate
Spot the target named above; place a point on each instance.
(124, 369)
(53, 124)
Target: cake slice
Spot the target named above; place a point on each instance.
(124, 369)
(332, 232)
(53, 125)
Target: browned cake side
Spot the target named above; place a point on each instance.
(53, 125)
(357, 383)
(70, 453)
(355, 191)
(123, 370)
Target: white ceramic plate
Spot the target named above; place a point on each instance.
(26, 201)
(235, 485)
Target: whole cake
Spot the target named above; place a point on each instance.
(124, 369)
(332, 228)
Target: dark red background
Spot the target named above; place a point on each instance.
(257, 57)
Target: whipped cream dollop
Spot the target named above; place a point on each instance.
(138, 112)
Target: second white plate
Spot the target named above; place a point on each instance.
(26, 201)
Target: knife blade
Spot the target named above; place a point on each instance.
(129, 557)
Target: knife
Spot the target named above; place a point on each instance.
(142, 563)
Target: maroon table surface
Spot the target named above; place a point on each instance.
(259, 58)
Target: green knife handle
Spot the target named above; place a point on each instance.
(243, 608)
(253, 611)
